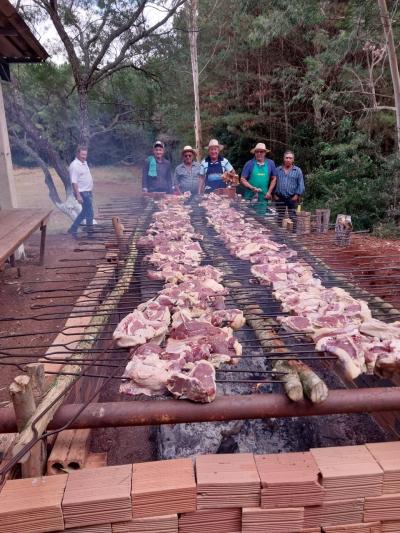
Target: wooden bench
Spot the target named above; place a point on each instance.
(16, 225)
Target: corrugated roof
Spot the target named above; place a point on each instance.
(17, 42)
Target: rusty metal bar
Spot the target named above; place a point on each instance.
(144, 413)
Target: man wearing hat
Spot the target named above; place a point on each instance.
(259, 177)
(157, 171)
(212, 168)
(187, 174)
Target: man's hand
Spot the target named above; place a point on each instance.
(268, 196)
(79, 198)
(256, 189)
(295, 197)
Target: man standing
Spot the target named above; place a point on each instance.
(157, 171)
(289, 187)
(259, 178)
(82, 183)
(212, 168)
(187, 174)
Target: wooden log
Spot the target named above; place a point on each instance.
(322, 220)
(303, 222)
(289, 375)
(298, 378)
(313, 386)
(119, 234)
(70, 451)
(38, 379)
(55, 396)
(21, 393)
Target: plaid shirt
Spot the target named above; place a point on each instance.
(187, 179)
(289, 183)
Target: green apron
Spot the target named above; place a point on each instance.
(259, 178)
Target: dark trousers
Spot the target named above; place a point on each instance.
(86, 213)
(283, 202)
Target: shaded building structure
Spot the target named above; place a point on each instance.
(17, 45)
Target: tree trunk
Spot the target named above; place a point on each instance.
(23, 145)
(84, 134)
(17, 111)
(394, 66)
(193, 33)
(43, 146)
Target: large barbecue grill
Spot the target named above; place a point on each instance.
(107, 278)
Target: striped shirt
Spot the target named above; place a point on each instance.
(289, 183)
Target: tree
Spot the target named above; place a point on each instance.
(193, 13)
(100, 39)
(394, 66)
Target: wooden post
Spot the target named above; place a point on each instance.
(21, 393)
(43, 228)
(8, 194)
(322, 220)
(303, 222)
(36, 372)
(119, 234)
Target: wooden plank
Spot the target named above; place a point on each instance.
(16, 225)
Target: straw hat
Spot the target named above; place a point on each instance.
(260, 146)
(188, 149)
(212, 143)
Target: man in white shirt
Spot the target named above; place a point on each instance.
(82, 183)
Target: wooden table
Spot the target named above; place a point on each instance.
(16, 225)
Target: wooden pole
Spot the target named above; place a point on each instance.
(21, 393)
(119, 234)
(38, 379)
(193, 13)
(394, 66)
(8, 194)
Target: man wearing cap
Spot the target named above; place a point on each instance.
(187, 174)
(212, 168)
(289, 187)
(259, 177)
(157, 171)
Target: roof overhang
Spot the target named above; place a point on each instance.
(17, 42)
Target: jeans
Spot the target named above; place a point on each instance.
(282, 203)
(86, 213)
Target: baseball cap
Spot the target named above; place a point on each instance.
(158, 143)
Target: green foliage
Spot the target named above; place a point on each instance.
(294, 75)
(350, 179)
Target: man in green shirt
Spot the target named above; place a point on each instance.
(259, 178)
